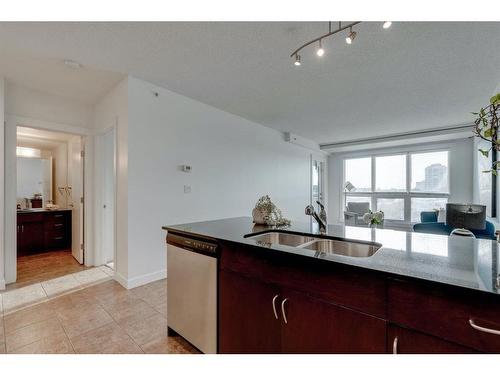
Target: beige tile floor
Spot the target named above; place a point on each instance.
(87, 313)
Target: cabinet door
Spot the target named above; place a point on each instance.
(31, 238)
(404, 341)
(247, 323)
(316, 326)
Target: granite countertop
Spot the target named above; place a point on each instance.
(458, 261)
(33, 210)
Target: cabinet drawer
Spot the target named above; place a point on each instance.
(56, 218)
(56, 241)
(453, 314)
(55, 226)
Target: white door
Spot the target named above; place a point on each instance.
(76, 193)
(107, 164)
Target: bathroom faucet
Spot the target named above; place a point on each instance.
(321, 218)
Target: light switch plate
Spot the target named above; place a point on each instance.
(187, 189)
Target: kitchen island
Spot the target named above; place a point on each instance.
(417, 293)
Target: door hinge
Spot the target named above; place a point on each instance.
(81, 200)
(82, 153)
(82, 246)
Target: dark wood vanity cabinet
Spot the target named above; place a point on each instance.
(30, 234)
(283, 303)
(43, 231)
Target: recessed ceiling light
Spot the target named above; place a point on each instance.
(72, 64)
(386, 24)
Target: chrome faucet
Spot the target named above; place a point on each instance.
(321, 218)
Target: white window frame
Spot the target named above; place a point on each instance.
(406, 195)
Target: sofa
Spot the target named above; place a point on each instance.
(429, 224)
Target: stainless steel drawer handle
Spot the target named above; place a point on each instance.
(482, 329)
(395, 345)
(283, 312)
(58, 238)
(58, 225)
(274, 306)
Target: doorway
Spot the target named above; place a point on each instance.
(105, 150)
(49, 204)
(317, 182)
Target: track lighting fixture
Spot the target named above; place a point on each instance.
(351, 36)
(297, 60)
(320, 51)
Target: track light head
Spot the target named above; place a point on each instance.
(320, 51)
(386, 24)
(297, 60)
(352, 35)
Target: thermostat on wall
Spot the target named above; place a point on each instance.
(186, 168)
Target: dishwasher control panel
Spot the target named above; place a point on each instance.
(192, 244)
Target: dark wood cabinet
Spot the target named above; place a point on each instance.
(271, 302)
(247, 323)
(316, 326)
(405, 341)
(460, 316)
(43, 231)
(30, 236)
(258, 317)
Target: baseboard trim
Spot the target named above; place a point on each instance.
(134, 282)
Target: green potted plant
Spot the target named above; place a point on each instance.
(486, 128)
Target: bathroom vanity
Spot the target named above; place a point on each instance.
(41, 230)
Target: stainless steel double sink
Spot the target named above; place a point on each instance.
(324, 245)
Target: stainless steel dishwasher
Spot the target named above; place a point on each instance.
(192, 290)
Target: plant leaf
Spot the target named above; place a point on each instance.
(485, 153)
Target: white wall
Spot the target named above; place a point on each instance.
(25, 102)
(2, 186)
(460, 168)
(234, 162)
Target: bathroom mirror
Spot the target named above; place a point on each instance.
(34, 177)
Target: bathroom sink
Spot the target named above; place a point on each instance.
(346, 248)
(280, 238)
(319, 245)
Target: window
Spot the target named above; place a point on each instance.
(359, 173)
(390, 173)
(429, 172)
(359, 199)
(401, 185)
(425, 204)
(393, 208)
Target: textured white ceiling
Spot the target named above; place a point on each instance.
(412, 76)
